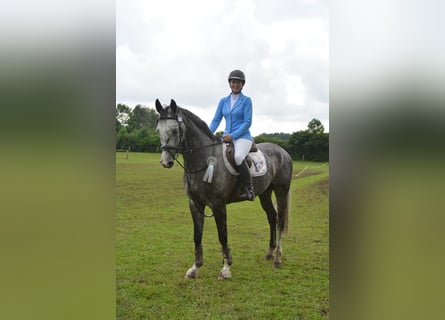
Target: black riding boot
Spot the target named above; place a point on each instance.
(246, 179)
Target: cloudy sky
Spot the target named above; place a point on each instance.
(184, 50)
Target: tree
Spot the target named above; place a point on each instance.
(136, 129)
(311, 144)
(277, 138)
(122, 115)
(142, 117)
(315, 126)
(297, 145)
(126, 140)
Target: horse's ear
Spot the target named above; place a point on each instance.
(173, 105)
(159, 106)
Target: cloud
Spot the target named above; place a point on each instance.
(185, 51)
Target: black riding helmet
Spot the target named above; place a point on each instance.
(237, 74)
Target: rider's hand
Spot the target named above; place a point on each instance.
(227, 138)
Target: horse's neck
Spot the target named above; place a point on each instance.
(195, 139)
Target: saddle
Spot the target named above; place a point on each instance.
(230, 153)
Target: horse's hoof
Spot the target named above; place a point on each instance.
(269, 256)
(191, 273)
(224, 276)
(276, 265)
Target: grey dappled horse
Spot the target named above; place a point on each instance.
(181, 131)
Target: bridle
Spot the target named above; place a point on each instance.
(180, 148)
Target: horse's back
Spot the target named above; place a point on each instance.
(279, 163)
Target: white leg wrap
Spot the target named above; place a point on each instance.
(192, 273)
(225, 272)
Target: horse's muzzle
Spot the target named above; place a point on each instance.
(166, 164)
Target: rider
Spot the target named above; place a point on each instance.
(236, 109)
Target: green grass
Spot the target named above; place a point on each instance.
(155, 248)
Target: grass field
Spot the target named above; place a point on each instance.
(154, 239)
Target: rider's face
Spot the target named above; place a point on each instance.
(236, 85)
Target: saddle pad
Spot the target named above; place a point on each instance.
(258, 168)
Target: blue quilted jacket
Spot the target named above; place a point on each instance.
(238, 120)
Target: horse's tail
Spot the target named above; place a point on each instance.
(286, 210)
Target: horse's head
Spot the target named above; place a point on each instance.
(170, 130)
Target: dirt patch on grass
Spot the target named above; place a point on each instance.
(322, 186)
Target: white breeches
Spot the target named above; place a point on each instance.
(242, 148)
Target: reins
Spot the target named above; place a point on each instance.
(190, 151)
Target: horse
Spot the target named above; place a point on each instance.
(209, 183)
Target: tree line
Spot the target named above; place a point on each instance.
(136, 131)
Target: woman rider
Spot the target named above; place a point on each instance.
(236, 109)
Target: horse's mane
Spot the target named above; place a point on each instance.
(200, 124)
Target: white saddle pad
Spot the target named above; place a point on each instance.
(258, 168)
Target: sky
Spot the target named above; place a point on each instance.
(185, 50)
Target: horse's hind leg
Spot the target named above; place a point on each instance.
(197, 211)
(268, 207)
(283, 203)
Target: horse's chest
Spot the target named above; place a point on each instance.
(198, 189)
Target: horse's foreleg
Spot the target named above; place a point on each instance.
(197, 211)
(220, 215)
(225, 271)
